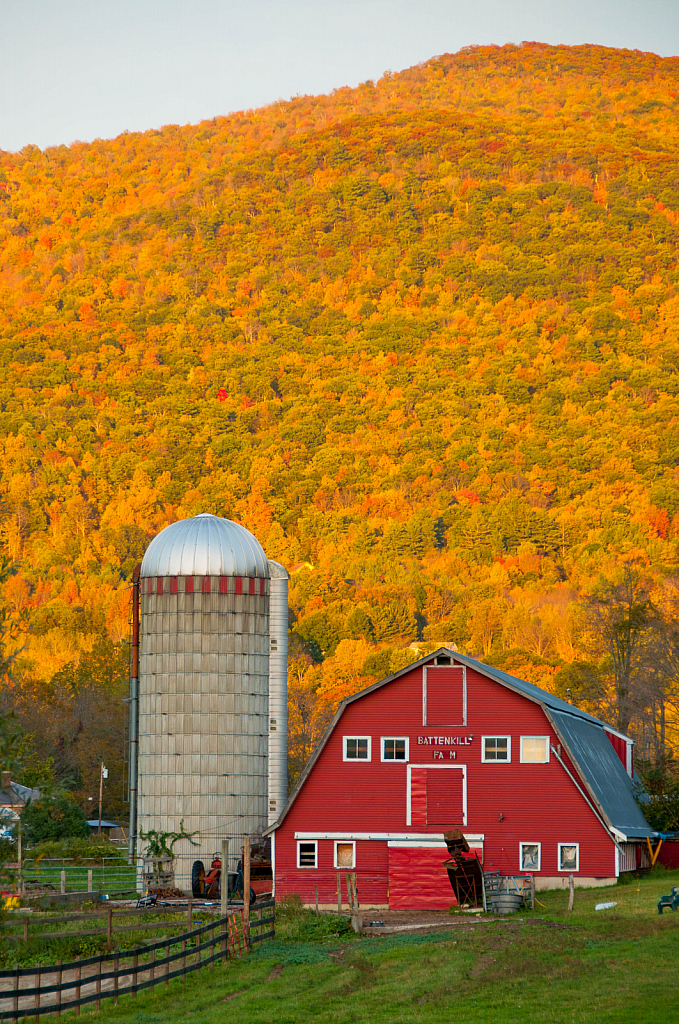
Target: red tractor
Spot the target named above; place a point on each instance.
(209, 886)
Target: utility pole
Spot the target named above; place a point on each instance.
(103, 774)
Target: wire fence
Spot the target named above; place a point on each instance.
(110, 875)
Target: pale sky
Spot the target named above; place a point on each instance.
(86, 69)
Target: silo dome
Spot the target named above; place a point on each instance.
(205, 545)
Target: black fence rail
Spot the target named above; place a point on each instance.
(91, 980)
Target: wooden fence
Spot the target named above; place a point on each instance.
(132, 971)
(30, 924)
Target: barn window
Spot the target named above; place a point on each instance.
(534, 749)
(444, 695)
(395, 748)
(307, 854)
(357, 748)
(569, 856)
(345, 855)
(529, 856)
(496, 748)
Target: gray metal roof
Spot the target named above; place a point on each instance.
(600, 768)
(583, 737)
(205, 545)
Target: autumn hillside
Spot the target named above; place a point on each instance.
(421, 337)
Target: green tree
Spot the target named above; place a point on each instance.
(53, 818)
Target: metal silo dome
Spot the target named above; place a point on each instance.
(205, 545)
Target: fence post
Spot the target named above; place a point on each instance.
(212, 946)
(189, 914)
(59, 977)
(224, 939)
(532, 892)
(153, 968)
(15, 989)
(116, 967)
(109, 927)
(78, 976)
(339, 893)
(98, 986)
(246, 890)
(26, 928)
(183, 959)
(38, 983)
(135, 964)
(167, 965)
(89, 879)
(224, 891)
(571, 892)
(63, 881)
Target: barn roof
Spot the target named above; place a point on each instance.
(583, 736)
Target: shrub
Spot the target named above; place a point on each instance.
(53, 818)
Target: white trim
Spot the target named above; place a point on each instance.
(617, 861)
(530, 842)
(547, 745)
(345, 842)
(450, 767)
(496, 760)
(307, 867)
(615, 732)
(357, 760)
(619, 835)
(411, 837)
(273, 866)
(437, 844)
(448, 725)
(395, 760)
(559, 847)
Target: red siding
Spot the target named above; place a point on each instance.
(418, 796)
(445, 696)
(444, 797)
(372, 868)
(620, 747)
(508, 803)
(417, 877)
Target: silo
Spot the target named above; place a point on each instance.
(203, 685)
(278, 690)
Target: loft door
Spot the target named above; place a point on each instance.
(437, 796)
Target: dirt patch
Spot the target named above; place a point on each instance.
(276, 972)
(227, 999)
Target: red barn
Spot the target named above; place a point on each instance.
(536, 785)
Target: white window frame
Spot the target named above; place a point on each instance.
(395, 760)
(345, 842)
(528, 842)
(547, 745)
(307, 842)
(569, 871)
(357, 760)
(495, 760)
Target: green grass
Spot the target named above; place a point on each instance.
(550, 966)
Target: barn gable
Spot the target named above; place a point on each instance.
(609, 789)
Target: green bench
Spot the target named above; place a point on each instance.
(671, 901)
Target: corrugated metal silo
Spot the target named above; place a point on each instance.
(278, 690)
(203, 685)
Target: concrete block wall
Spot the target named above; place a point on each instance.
(203, 711)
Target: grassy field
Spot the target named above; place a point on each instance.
(548, 966)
